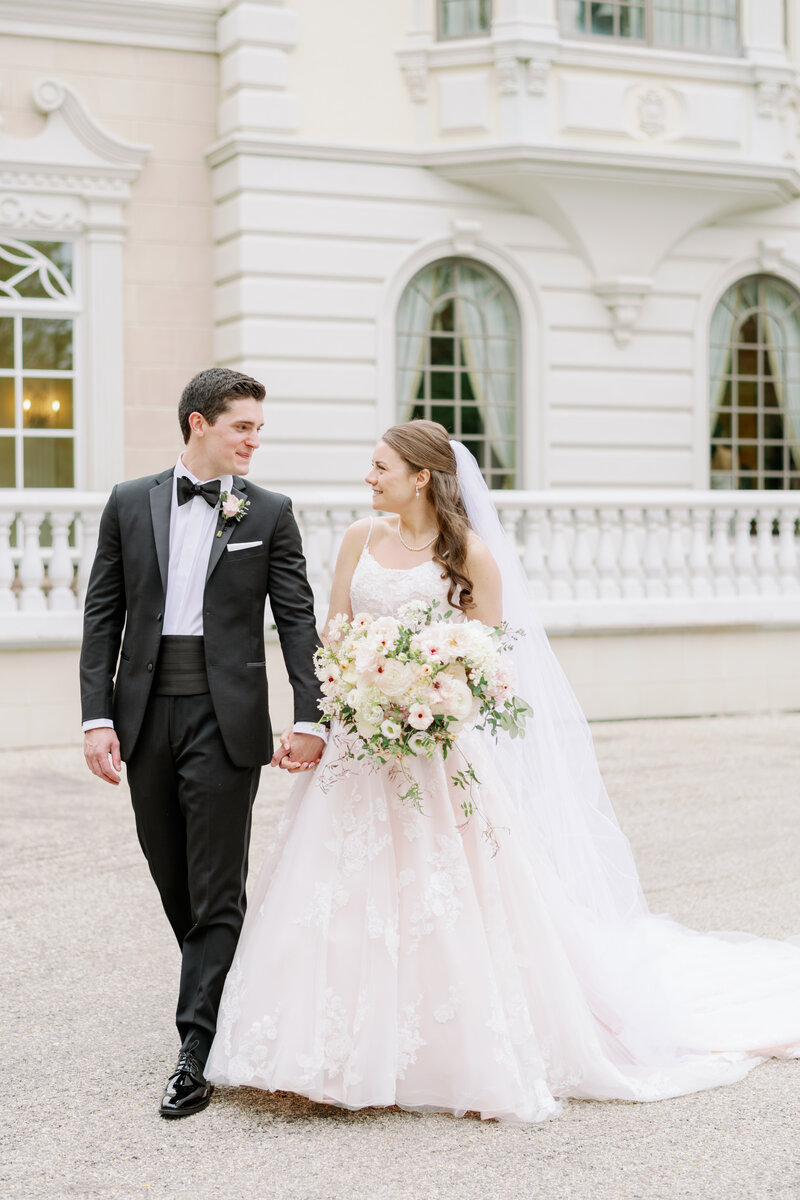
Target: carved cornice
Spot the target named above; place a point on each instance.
(164, 24)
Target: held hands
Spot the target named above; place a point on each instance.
(297, 751)
(101, 751)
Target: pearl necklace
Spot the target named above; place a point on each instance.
(415, 549)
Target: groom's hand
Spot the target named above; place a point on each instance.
(101, 751)
(298, 751)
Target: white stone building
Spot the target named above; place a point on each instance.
(568, 229)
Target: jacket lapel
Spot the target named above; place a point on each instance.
(222, 534)
(160, 510)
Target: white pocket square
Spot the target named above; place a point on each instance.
(243, 545)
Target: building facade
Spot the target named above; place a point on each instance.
(568, 230)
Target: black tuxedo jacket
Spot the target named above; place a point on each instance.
(127, 589)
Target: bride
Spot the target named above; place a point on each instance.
(388, 956)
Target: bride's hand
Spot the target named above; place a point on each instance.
(282, 748)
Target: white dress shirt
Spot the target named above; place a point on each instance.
(191, 532)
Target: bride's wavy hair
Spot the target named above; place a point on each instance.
(423, 444)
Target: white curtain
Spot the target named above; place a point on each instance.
(783, 338)
(723, 323)
(488, 345)
(413, 322)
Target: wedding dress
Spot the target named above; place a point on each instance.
(388, 956)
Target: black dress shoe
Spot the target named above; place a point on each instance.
(187, 1091)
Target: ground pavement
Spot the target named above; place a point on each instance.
(88, 978)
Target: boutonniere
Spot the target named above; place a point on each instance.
(231, 508)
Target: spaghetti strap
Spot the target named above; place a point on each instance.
(369, 533)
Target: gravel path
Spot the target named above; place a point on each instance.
(89, 972)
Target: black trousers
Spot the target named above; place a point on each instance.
(193, 810)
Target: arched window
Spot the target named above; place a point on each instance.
(37, 367)
(457, 361)
(755, 386)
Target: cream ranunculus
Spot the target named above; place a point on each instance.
(391, 730)
(394, 678)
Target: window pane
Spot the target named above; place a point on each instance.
(722, 35)
(7, 468)
(60, 254)
(445, 414)
(443, 385)
(7, 417)
(443, 351)
(48, 462)
(47, 403)
(46, 344)
(40, 270)
(462, 18)
(7, 343)
(631, 21)
(695, 32)
(603, 19)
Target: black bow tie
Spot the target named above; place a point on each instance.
(188, 490)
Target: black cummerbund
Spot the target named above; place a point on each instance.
(181, 667)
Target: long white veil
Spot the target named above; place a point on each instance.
(663, 995)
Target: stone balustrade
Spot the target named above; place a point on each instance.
(596, 558)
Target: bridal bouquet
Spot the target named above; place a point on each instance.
(404, 687)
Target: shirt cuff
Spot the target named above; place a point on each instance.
(101, 723)
(310, 727)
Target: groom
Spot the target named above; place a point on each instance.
(184, 564)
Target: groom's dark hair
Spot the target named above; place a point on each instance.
(211, 392)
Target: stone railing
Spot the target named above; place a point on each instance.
(596, 558)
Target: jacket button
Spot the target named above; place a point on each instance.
(159, 616)
(149, 666)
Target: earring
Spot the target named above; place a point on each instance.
(417, 490)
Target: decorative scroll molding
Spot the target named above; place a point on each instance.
(652, 109)
(51, 96)
(23, 213)
(415, 72)
(537, 74)
(623, 297)
(507, 74)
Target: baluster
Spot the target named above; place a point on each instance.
(629, 565)
(31, 567)
(743, 552)
(511, 519)
(721, 553)
(558, 555)
(677, 574)
(533, 553)
(340, 520)
(766, 559)
(608, 587)
(89, 524)
(653, 556)
(61, 572)
(315, 526)
(787, 553)
(582, 556)
(8, 601)
(699, 573)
